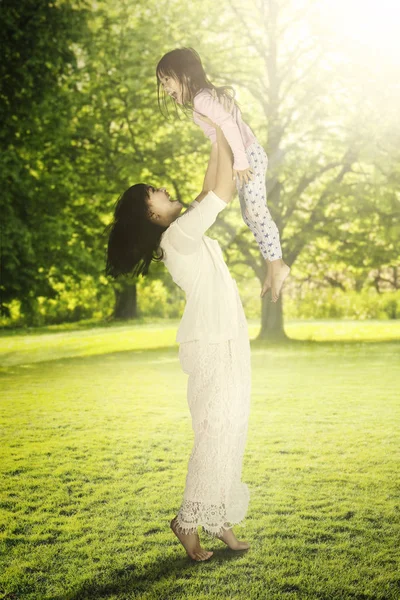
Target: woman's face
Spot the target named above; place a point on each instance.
(163, 210)
(174, 88)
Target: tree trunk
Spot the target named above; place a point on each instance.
(126, 301)
(271, 320)
(396, 278)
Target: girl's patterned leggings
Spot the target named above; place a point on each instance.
(253, 204)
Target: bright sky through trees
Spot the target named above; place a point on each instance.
(367, 23)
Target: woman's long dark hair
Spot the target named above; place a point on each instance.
(184, 63)
(133, 240)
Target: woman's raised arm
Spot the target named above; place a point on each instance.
(186, 231)
(225, 184)
(210, 176)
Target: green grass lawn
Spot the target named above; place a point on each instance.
(96, 436)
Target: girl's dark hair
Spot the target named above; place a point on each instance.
(133, 240)
(185, 65)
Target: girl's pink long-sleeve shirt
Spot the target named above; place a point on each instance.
(238, 134)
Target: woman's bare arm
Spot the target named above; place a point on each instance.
(186, 232)
(224, 185)
(211, 173)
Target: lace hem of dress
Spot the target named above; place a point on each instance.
(212, 530)
(212, 518)
(216, 531)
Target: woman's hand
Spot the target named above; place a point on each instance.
(244, 176)
(207, 120)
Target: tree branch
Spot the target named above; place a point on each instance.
(309, 226)
(305, 181)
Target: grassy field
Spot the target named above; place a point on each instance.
(96, 436)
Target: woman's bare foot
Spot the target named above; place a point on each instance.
(280, 271)
(231, 540)
(191, 543)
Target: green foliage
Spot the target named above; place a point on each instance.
(77, 301)
(36, 106)
(328, 303)
(156, 300)
(74, 301)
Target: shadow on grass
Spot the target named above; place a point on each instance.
(88, 359)
(294, 343)
(24, 364)
(124, 581)
(86, 324)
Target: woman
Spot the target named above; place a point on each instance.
(214, 344)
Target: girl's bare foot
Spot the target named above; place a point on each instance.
(267, 282)
(229, 538)
(191, 543)
(280, 271)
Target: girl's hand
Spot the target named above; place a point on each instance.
(244, 176)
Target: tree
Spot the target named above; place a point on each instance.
(315, 127)
(35, 111)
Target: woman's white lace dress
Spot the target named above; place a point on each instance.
(218, 395)
(219, 379)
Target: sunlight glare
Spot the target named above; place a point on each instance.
(374, 25)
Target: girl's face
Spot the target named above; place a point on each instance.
(163, 210)
(172, 86)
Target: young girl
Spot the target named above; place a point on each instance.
(181, 75)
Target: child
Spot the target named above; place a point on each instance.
(181, 75)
